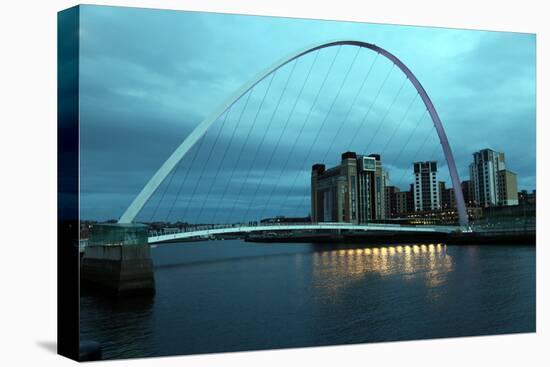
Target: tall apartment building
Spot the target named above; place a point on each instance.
(491, 183)
(352, 192)
(426, 188)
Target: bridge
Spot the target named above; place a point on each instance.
(133, 239)
(207, 231)
(201, 129)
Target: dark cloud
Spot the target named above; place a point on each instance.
(148, 77)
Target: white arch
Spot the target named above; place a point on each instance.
(155, 181)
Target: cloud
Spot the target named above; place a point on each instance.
(148, 77)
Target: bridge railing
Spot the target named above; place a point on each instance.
(206, 227)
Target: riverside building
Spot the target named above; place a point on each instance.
(352, 192)
(426, 188)
(491, 183)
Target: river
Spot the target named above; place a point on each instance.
(218, 296)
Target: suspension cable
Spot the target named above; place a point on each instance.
(232, 137)
(360, 126)
(173, 174)
(409, 139)
(185, 177)
(224, 155)
(386, 114)
(268, 201)
(399, 124)
(416, 154)
(348, 113)
(285, 126)
(239, 156)
(318, 134)
(262, 139)
(166, 185)
(202, 170)
(304, 199)
(208, 161)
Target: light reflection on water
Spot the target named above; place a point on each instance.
(338, 268)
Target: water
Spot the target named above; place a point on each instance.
(232, 295)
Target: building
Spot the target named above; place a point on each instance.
(447, 216)
(403, 203)
(521, 217)
(334, 191)
(398, 203)
(391, 201)
(372, 182)
(491, 183)
(467, 192)
(507, 188)
(366, 191)
(381, 180)
(446, 196)
(525, 197)
(410, 199)
(484, 176)
(352, 192)
(426, 189)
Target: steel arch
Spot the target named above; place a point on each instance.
(155, 181)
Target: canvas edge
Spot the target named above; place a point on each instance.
(68, 154)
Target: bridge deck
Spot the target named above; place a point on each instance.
(163, 237)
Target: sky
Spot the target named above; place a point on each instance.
(148, 77)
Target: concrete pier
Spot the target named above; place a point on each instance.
(118, 260)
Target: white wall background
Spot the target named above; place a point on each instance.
(28, 182)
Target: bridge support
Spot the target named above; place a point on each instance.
(118, 259)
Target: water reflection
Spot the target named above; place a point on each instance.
(337, 268)
(123, 326)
